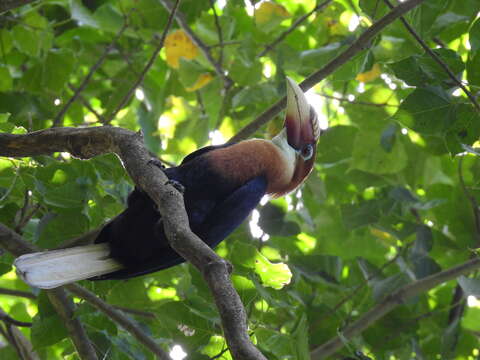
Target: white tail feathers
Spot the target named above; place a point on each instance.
(50, 269)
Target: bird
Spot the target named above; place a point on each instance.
(221, 186)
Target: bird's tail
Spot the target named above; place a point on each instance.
(50, 269)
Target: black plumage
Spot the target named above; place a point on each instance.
(215, 206)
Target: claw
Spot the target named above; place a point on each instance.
(156, 162)
(177, 185)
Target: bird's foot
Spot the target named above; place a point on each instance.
(177, 185)
(156, 162)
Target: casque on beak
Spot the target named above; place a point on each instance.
(301, 120)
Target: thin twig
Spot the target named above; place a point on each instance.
(89, 107)
(227, 82)
(86, 80)
(219, 32)
(357, 102)
(295, 25)
(8, 319)
(437, 58)
(150, 62)
(6, 5)
(393, 300)
(20, 293)
(225, 43)
(360, 44)
(143, 313)
(458, 302)
(119, 318)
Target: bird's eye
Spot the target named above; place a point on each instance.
(306, 152)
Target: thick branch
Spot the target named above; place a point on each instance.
(392, 301)
(360, 44)
(89, 142)
(6, 5)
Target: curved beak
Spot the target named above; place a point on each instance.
(301, 120)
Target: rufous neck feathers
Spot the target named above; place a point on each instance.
(250, 158)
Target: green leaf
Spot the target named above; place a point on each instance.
(57, 69)
(47, 331)
(474, 37)
(6, 80)
(57, 228)
(272, 275)
(82, 15)
(26, 41)
(272, 221)
(423, 70)
(369, 155)
(384, 287)
(425, 111)
(473, 69)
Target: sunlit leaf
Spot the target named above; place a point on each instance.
(178, 45)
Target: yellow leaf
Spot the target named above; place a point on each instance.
(370, 75)
(177, 45)
(202, 80)
(269, 11)
(383, 235)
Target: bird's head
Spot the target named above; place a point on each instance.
(298, 139)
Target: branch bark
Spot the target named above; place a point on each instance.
(390, 302)
(360, 44)
(88, 142)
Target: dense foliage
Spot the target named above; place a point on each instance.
(392, 199)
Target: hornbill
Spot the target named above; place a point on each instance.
(222, 185)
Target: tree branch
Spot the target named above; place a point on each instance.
(11, 292)
(295, 25)
(58, 119)
(6, 5)
(390, 302)
(360, 44)
(147, 67)
(21, 344)
(437, 58)
(119, 318)
(219, 32)
(15, 244)
(227, 82)
(8, 319)
(88, 142)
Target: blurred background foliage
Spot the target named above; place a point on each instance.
(392, 199)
